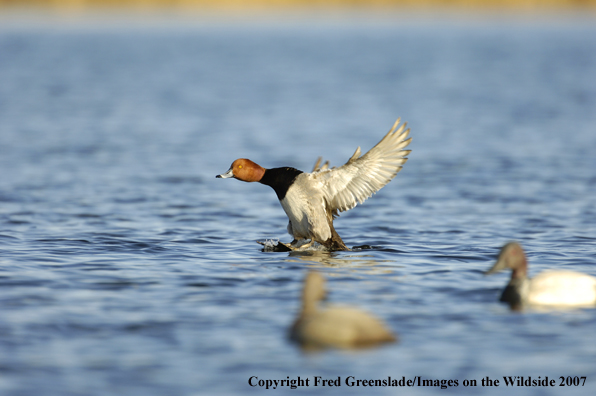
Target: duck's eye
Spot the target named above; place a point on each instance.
(239, 166)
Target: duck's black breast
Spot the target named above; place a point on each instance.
(280, 179)
(511, 294)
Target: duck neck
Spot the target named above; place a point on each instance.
(280, 179)
(309, 306)
(521, 270)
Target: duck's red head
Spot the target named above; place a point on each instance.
(245, 170)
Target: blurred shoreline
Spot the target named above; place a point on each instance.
(522, 6)
(175, 14)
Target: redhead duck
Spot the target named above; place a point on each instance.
(560, 288)
(340, 327)
(313, 200)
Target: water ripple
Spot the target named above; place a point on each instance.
(127, 268)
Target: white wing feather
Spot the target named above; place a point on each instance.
(361, 177)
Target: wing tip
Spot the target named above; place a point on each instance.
(356, 155)
(398, 131)
(318, 167)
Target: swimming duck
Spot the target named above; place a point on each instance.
(340, 327)
(560, 288)
(312, 200)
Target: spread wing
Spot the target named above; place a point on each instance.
(362, 176)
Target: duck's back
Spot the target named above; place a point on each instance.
(562, 288)
(341, 327)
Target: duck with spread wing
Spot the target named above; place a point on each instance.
(313, 200)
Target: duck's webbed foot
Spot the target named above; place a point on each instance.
(334, 244)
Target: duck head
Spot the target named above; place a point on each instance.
(245, 170)
(511, 256)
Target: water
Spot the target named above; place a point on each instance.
(127, 268)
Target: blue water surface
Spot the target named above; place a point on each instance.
(126, 268)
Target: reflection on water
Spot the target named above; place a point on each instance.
(319, 259)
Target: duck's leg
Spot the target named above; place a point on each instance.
(335, 242)
(305, 245)
(294, 245)
(291, 245)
